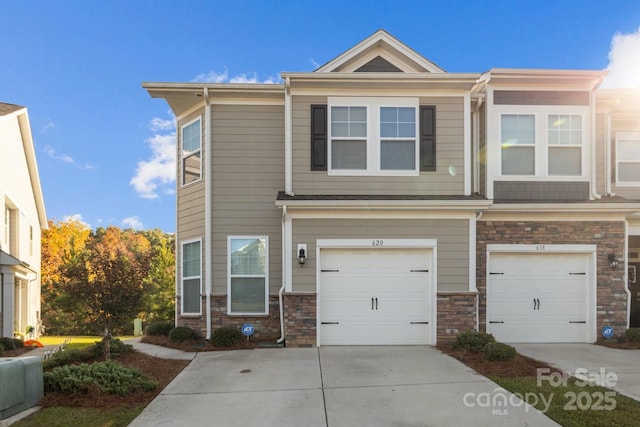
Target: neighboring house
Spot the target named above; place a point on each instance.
(382, 200)
(23, 217)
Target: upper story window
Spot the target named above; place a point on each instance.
(373, 136)
(627, 159)
(191, 152)
(540, 144)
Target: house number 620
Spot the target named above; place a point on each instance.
(540, 248)
(377, 243)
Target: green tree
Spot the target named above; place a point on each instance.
(159, 300)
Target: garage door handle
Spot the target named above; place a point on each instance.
(329, 323)
(371, 303)
(376, 303)
(536, 304)
(577, 321)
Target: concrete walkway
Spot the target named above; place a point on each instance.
(334, 386)
(618, 369)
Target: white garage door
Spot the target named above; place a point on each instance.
(538, 297)
(375, 297)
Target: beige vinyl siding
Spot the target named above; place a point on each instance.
(452, 236)
(600, 141)
(190, 199)
(248, 172)
(449, 152)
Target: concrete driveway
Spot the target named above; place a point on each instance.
(621, 367)
(335, 386)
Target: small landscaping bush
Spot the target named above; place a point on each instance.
(18, 343)
(108, 377)
(495, 351)
(1, 349)
(8, 343)
(159, 328)
(182, 333)
(632, 334)
(472, 341)
(226, 337)
(65, 357)
(116, 348)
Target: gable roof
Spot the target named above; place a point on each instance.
(380, 46)
(12, 111)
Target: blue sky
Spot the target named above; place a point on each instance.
(105, 148)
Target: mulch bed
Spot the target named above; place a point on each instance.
(203, 345)
(626, 345)
(22, 351)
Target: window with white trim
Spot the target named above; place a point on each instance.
(536, 143)
(248, 275)
(191, 277)
(627, 159)
(191, 152)
(373, 136)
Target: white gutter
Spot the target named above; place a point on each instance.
(208, 187)
(288, 140)
(594, 171)
(284, 274)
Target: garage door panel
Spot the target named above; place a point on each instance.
(402, 296)
(538, 297)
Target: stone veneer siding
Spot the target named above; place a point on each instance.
(608, 236)
(267, 327)
(456, 314)
(300, 319)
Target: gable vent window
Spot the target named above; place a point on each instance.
(191, 152)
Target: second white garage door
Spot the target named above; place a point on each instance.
(375, 297)
(538, 297)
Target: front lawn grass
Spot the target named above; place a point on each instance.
(574, 404)
(60, 416)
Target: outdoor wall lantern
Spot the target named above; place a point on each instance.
(302, 256)
(613, 261)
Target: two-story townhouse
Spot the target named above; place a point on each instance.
(23, 217)
(382, 200)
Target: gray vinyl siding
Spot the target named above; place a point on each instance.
(248, 172)
(538, 97)
(600, 141)
(452, 239)
(449, 152)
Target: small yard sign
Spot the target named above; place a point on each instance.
(607, 332)
(248, 329)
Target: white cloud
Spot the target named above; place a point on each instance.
(159, 169)
(314, 63)
(211, 77)
(51, 152)
(624, 61)
(157, 124)
(75, 218)
(48, 124)
(132, 222)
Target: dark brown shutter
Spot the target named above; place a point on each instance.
(318, 137)
(427, 138)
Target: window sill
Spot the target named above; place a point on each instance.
(373, 173)
(247, 314)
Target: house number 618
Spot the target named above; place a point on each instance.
(540, 248)
(377, 243)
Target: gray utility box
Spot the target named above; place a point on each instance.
(21, 384)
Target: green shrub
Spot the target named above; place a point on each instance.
(472, 341)
(116, 348)
(66, 357)
(499, 351)
(1, 349)
(18, 343)
(226, 337)
(159, 328)
(632, 334)
(182, 333)
(8, 343)
(108, 377)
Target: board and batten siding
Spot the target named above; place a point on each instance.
(248, 172)
(452, 237)
(449, 152)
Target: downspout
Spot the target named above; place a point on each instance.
(208, 188)
(626, 271)
(478, 293)
(288, 140)
(594, 171)
(284, 274)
